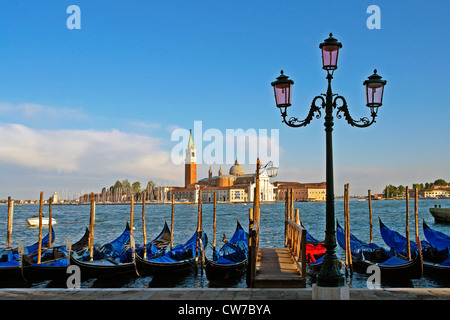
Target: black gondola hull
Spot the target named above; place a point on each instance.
(147, 267)
(11, 275)
(101, 269)
(225, 272)
(436, 271)
(410, 270)
(33, 273)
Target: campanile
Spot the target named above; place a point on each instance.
(190, 166)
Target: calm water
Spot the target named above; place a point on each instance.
(111, 220)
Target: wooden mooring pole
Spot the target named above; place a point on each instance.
(370, 217)
(214, 224)
(40, 228)
(416, 218)
(91, 228)
(131, 214)
(291, 211)
(256, 200)
(172, 219)
(50, 222)
(10, 221)
(199, 231)
(286, 214)
(408, 244)
(143, 225)
(349, 261)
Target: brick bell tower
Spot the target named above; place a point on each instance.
(190, 166)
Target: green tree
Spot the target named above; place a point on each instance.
(440, 182)
(126, 186)
(116, 187)
(136, 187)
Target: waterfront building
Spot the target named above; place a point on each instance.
(240, 186)
(302, 191)
(434, 193)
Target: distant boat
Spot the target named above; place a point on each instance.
(34, 222)
(441, 214)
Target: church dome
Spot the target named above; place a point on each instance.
(237, 169)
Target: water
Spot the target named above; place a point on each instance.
(111, 221)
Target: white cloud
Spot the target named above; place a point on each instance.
(34, 110)
(87, 152)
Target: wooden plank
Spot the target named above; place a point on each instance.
(277, 269)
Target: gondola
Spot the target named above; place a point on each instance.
(230, 262)
(397, 243)
(365, 255)
(437, 258)
(107, 259)
(439, 241)
(54, 262)
(315, 251)
(180, 260)
(116, 258)
(10, 261)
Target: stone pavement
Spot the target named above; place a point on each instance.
(217, 294)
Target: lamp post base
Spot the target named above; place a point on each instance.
(330, 293)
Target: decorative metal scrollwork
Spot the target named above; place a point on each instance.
(294, 122)
(361, 123)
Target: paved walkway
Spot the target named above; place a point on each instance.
(217, 294)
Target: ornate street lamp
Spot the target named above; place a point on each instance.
(329, 275)
(330, 51)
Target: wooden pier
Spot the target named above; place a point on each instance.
(277, 267)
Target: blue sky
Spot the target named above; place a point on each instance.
(80, 109)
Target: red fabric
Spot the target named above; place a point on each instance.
(314, 252)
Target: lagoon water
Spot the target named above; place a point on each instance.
(111, 220)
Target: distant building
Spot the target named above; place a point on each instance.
(378, 196)
(434, 193)
(302, 191)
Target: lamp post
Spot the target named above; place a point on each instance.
(329, 275)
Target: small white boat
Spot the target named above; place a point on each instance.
(34, 222)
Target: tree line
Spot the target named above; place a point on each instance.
(392, 191)
(126, 187)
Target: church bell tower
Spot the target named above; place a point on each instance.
(190, 166)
